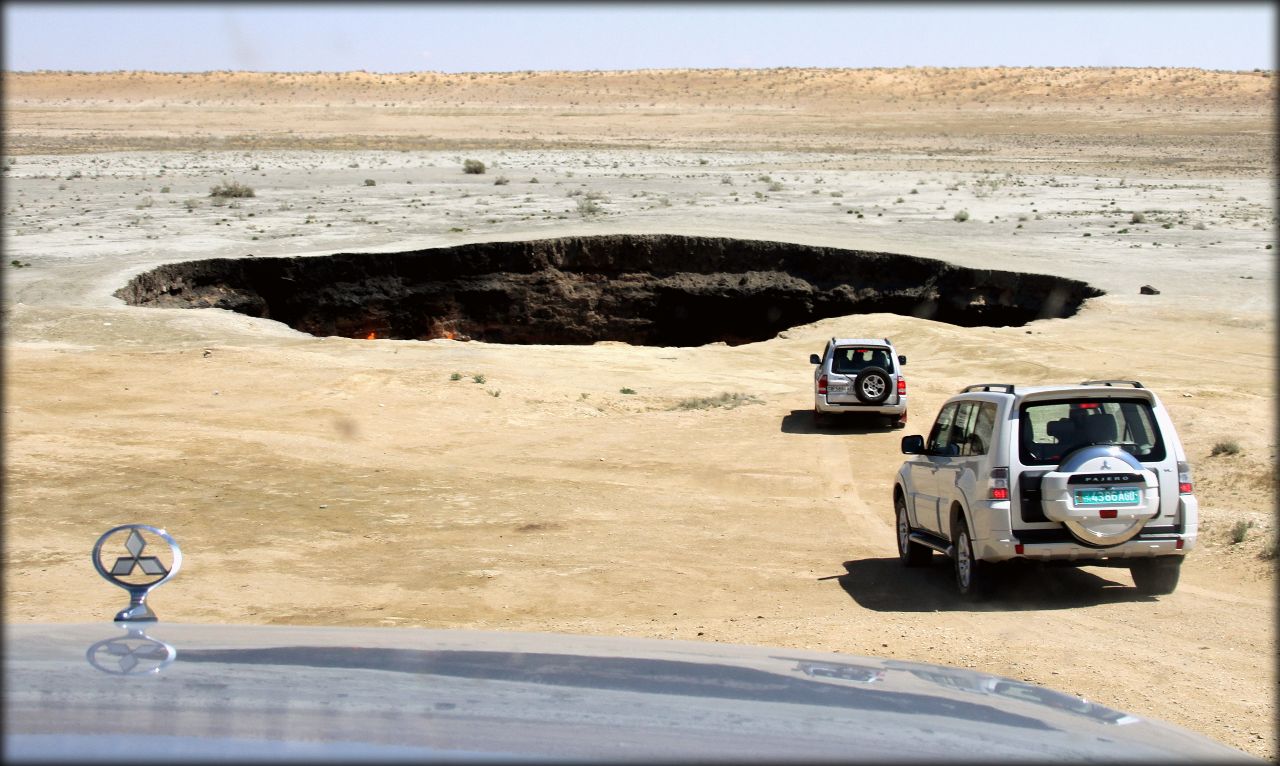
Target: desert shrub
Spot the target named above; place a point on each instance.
(473, 167)
(501, 181)
(726, 400)
(1226, 447)
(961, 216)
(456, 376)
(370, 182)
(588, 206)
(626, 390)
(776, 186)
(1240, 530)
(1137, 218)
(230, 189)
(478, 378)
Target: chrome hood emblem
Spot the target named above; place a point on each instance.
(137, 573)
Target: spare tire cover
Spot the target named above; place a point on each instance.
(872, 385)
(1101, 494)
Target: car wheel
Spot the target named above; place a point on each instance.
(1156, 577)
(972, 578)
(872, 385)
(909, 553)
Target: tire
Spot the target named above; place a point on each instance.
(871, 386)
(1158, 576)
(909, 553)
(972, 577)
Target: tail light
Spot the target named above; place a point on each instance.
(998, 484)
(822, 385)
(902, 386)
(1184, 478)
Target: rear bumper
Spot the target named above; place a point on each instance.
(1004, 547)
(821, 404)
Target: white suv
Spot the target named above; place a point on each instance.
(859, 375)
(1092, 475)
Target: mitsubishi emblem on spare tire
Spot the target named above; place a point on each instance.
(1098, 506)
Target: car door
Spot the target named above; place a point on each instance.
(923, 470)
(962, 451)
(847, 362)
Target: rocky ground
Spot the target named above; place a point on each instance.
(620, 489)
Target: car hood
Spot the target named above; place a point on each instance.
(166, 691)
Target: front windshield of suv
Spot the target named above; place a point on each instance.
(1052, 429)
(854, 359)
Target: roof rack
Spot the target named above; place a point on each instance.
(1133, 383)
(1008, 387)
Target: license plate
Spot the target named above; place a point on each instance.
(838, 388)
(1131, 496)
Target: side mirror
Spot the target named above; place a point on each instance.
(902, 359)
(815, 359)
(913, 444)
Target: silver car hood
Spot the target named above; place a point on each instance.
(214, 692)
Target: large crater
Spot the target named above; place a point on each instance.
(652, 290)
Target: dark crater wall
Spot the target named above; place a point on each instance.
(653, 290)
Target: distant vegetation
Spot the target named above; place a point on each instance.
(1227, 447)
(231, 189)
(474, 167)
(726, 400)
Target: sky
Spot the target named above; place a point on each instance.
(498, 37)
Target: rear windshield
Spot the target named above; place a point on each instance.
(854, 359)
(1051, 429)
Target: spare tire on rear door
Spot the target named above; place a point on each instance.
(1101, 494)
(872, 385)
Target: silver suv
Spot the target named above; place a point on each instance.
(859, 375)
(1092, 475)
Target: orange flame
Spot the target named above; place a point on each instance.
(450, 334)
(371, 336)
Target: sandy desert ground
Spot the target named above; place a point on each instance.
(355, 482)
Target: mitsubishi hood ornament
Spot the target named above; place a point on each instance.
(139, 571)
